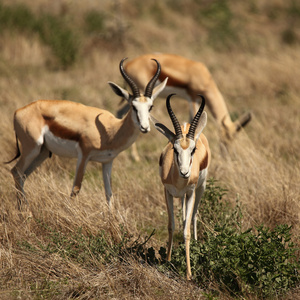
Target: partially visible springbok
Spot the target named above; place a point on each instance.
(183, 168)
(72, 129)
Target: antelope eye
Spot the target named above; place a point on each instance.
(150, 108)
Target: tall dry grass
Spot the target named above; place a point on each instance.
(261, 167)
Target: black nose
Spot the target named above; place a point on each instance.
(184, 174)
(143, 130)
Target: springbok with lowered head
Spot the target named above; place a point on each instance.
(188, 78)
(72, 129)
(183, 168)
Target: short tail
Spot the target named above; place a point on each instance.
(18, 152)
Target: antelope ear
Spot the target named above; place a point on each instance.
(158, 89)
(119, 91)
(162, 129)
(201, 125)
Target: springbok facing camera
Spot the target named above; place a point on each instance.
(71, 129)
(183, 168)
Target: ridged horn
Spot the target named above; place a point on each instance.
(195, 121)
(151, 83)
(173, 118)
(131, 83)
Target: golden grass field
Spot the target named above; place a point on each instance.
(260, 74)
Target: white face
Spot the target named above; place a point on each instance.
(184, 150)
(141, 105)
(141, 112)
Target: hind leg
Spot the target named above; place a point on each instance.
(19, 179)
(30, 158)
(44, 154)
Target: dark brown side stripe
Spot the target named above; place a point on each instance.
(61, 131)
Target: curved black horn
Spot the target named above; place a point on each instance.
(194, 123)
(150, 85)
(174, 120)
(131, 83)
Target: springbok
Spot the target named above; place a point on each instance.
(186, 78)
(72, 129)
(183, 168)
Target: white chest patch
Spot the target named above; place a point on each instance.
(178, 193)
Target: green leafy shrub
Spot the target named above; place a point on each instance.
(262, 263)
(258, 261)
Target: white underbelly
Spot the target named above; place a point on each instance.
(103, 156)
(69, 148)
(59, 146)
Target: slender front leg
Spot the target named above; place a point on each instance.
(134, 153)
(183, 207)
(80, 169)
(106, 171)
(171, 223)
(187, 231)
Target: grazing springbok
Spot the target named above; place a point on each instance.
(187, 78)
(183, 168)
(72, 129)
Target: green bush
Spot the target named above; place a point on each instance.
(217, 18)
(17, 16)
(258, 261)
(61, 39)
(51, 30)
(262, 263)
(94, 22)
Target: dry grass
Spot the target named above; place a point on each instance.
(262, 167)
